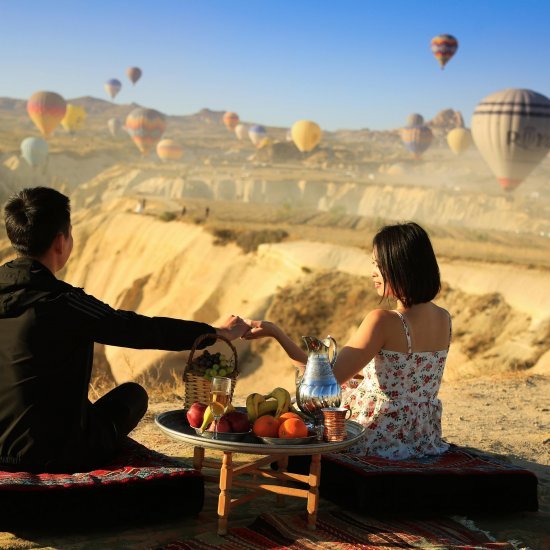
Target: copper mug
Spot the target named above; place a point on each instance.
(334, 420)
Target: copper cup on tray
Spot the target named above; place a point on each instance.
(334, 421)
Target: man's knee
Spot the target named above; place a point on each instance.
(135, 394)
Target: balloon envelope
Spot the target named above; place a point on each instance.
(230, 120)
(414, 119)
(416, 139)
(134, 74)
(459, 139)
(145, 127)
(74, 118)
(256, 134)
(114, 126)
(112, 87)
(444, 47)
(168, 149)
(34, 150)
(46, 109)
(511, 129)
(306, 135)
(241, 131)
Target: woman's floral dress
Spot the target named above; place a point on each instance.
(397, 403)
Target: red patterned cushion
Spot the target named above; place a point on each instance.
(126, 489)
(460, 480)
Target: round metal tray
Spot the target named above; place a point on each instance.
(223, 436)
(288, 440)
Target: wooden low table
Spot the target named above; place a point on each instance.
(174, 424)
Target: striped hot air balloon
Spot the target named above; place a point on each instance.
(168, 149)
(34, 150)
(145, 127)
(46, 109)
(230, 120)
(306, 135)
(416, 139)
(257, 134)
(112, 87)
(414, 119)
(444, 47)
(511, 129)
(134, 74)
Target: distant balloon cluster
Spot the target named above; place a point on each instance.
(510, 128)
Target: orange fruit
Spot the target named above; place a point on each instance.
(286, 415)
(292, 427)
(266, 426)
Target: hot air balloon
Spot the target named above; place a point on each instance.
(34, 150)
(288, 135)
(511, 129)
(114, 126)
(257, 134)
(444, 47)
(459, 139)
(414, 119)
(46, 109)
(416, 139)
(230, 120)
(74, 118)
(168, 149)
(145, 127)
(134, 74)
(241, 131)
(112, 87)
(305, 135)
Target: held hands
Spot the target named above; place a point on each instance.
(260, 329)
(233, 327)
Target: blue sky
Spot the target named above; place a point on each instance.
(343, 63)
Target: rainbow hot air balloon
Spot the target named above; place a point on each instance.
(257, 134)
(134, 74)
(444, 47)
(241, 131)
(114, 126)
(459, 140)
(34, 150)
(230, 120)
(306, 135)
(414, 119)
(416, 139)
(145, 127)
(112, 87)
(511, 129)
(74, 118)
(168, 149)
(46, 109)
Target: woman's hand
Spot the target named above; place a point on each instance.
(260, 329)
(233, 327)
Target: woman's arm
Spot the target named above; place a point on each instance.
(367, 341)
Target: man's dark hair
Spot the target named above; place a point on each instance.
(407, 262)
(34, 217)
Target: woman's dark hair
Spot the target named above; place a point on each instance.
(407, 262)
(34, 217)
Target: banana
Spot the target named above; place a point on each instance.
(294, 409)
(253, 401)
(229, 408)
(207, 419)
(267, 407)
(283, 400)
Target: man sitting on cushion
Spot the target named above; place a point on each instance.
(47, 334)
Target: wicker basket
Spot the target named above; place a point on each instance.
(197, 388)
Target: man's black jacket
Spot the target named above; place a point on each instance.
(47, 332)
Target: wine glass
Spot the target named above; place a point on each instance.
(220, 396)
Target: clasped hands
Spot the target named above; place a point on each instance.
(247, 329)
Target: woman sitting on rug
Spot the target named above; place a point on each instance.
(395, 395)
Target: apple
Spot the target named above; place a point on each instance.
(223, 425)
(239, 421)
(195, 414)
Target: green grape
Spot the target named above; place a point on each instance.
(222, 372)
(223, 362)
(216, 366)
(229, 369)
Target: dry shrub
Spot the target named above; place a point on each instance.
(247, 240)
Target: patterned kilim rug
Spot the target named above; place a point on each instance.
(341, 530)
